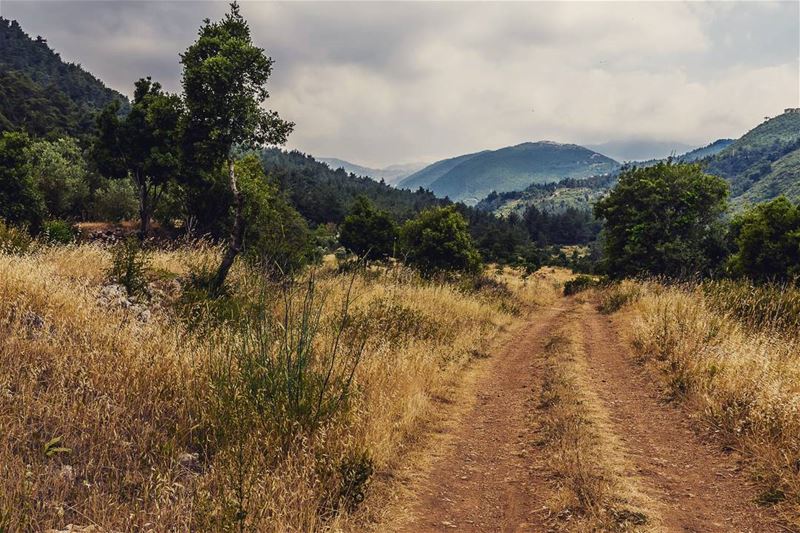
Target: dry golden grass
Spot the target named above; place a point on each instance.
(593, 492)
(112, 422)
(743, 375)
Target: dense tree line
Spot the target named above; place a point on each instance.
(744, 167)
(205, 161)
(668, 220)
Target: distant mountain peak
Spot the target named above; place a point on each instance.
(471, 177)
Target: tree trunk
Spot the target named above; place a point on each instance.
(237, 233)
(144, 213)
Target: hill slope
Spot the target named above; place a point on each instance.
(706, 151)
(40, 92)
(425, 177)
(516, 167)
(391, 174)
(755, 157)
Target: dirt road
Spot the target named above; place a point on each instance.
(493, 476)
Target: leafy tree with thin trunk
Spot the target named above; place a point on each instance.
(224, 83)
(367, 232)
(144, 144)
(438, 240)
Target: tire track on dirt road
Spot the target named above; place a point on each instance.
(491, 475)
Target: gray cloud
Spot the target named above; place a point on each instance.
(380, 83)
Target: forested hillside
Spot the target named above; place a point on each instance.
(511, 169)
(760, 165)
(40, 92)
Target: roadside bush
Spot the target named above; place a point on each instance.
(290, 375)
(580, 284)
(58, 232)
(767, 240)
(129, 266)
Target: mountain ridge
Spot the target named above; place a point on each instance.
(471, 177)
(43, 93)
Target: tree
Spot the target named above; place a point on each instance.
(276, 236)
(368, 232)
(20, 201)
(438, 240)
(59, 172)
(767, 240)
(145, 145)
(662, 220)
(224, 83)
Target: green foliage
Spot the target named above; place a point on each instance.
(782, 178)
(571, 226)
(438, 240)
(767, 239)
(224, 83)
(40, 93)
(20, 201)
(355, 473)
(275, 236)
(580, 284)
(115, 201)
(129, 266)
(663, 220)
(54, 447)
(748, 163)
(143, 145)
(60, 174)
(14, 240)
(367, 232)
(279, 375)
(325, 196)
(58, 232)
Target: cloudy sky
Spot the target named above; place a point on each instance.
(381, 83)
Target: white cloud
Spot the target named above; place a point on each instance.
(381, 83)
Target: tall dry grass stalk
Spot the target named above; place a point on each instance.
(156, 425)
(732, 351)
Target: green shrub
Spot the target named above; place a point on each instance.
(438, 240)
(580, 284)
(58, 232)
(129, 266)
(663, 220)
(767, 241)
(14, 240)
(367, 232)
(116, 201)
(287, 376)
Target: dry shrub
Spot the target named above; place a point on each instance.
(160, 426)
(738, 368)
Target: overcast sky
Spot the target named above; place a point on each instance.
(381, 83)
